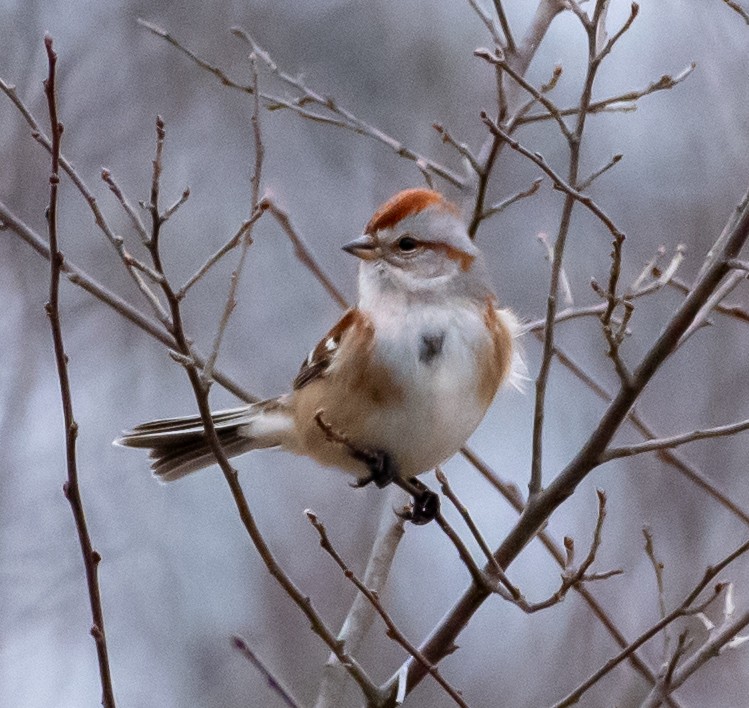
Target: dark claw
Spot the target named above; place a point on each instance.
(425, 506)
(382, 469)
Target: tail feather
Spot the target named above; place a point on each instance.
(178, 446)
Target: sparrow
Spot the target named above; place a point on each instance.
(398, 384)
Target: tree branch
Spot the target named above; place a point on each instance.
(71, 488)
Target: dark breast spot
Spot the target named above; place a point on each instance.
(430, 346)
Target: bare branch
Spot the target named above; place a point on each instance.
(559, 182)
(101, 222)
(621, 102)
(462, 148)
(302, 251)
(332, 113)
(732, 281)
(230, 245)
(200, 390)
(499, 207)
(392, 629)
(667, 455)
(487, 22)
(497, 58)
(735, 311)
(658, 572)
(231, 297)
(71, 488)
(509, 39)
(615, 337)
(744, 14)
(725, 637)
(463, 511)
(361, 615)
(279, 689)
(546, 11)
(595, 175)
(512, 495)
(674, 440)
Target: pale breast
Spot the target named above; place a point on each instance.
(434, 358)
(412, 382)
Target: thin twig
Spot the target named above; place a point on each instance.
(231, 297)
(658, 572)
(595, 175)
(302, 250)
(279, 689)
(735, 311)
(559, 182)
(725, 637)
(674, 441)
(667, 455)
(614, 337)
(71, 488)
(744, 14)
(496, 569)
(116, 241)
(333, 114)
(392, 629)
(509, 39)
(621, 102)
(546, 11)
(498, 59)
(462, 148)
(500, 206)
(732, 281)
(487, 21)
(686, 608)
(361, 614)
(230, 245)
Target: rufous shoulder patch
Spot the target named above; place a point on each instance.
(403, 204)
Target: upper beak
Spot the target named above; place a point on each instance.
(364, 247)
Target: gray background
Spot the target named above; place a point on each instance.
(178, 576)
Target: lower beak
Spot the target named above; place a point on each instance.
(363, 247)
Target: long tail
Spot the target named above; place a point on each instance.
(178, 446)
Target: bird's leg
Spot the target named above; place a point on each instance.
(382, 469)
(426, 503)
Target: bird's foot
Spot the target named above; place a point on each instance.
(382, 469)
(425, 505)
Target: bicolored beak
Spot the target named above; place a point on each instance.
(364, 247)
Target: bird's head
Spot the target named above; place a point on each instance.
(417, 243)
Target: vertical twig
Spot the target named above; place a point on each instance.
(71, 489)
(231, 298)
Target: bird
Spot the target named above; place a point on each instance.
(398, 384)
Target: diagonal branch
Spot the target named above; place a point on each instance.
(540, 508)
(327, 110)
(392, 629)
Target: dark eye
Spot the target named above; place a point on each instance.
(407, 244)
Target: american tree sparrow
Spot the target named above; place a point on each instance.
(398, 384)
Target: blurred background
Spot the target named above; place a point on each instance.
(179, 576)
